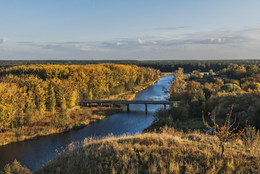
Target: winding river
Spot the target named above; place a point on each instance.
(34, 153)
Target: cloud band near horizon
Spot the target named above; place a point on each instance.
(218, 43)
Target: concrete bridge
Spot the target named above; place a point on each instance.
(127, 103)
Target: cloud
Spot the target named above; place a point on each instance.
(3, 40)
(120, 43)
(238, 38)
(222, 38)
(141, 41)
(67, 46)
(223, 42)
(173, 28)
(225, 37)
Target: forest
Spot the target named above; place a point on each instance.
(162, 65)
(32, 94)
(236, 86)
(38, 96)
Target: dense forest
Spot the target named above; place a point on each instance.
(162, 65)
(236, 87)
(27, 91)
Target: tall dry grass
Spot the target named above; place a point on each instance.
(169, 151)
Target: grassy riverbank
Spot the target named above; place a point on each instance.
(168, 151)
(191, 124)
(77, 117)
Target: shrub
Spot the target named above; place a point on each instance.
(61, 119)
(230, 87)
(251, 137)
(15, 168)
(225, 132)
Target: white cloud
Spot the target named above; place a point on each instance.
(173, 28)
(3, 40)
(120, 43)
(214, 40)
(140, 41)
(224, 43)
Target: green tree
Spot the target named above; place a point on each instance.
(230, 87)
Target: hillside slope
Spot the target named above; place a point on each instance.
(169, 151)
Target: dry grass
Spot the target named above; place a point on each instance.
(169, 151)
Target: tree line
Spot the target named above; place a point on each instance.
(26, 90)
(162, 65)
(236, 85)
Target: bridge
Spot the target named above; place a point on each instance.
(127, 103)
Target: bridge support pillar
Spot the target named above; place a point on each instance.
(145, 108)
(128, 108)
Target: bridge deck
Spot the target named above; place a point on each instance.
(127, 102)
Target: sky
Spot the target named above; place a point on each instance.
(129, 29)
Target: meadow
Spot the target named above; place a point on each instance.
(165, 151)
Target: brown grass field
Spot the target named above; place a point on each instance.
(168, 151)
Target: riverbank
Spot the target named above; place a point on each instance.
(130, 95)
(191, 124)
(78, 117)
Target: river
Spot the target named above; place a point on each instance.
(36, 152)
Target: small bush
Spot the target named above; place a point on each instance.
(15, 168)
(61, 119)
(251, 137)
(225, 132)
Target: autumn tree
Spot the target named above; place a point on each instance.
(178, 84)
(52, 99)
(193, 87)
(27, 90)
(73, 98)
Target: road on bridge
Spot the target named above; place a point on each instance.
(127, 103)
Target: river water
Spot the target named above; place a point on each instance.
(34, 153)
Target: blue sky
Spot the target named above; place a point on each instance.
(133, 29)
